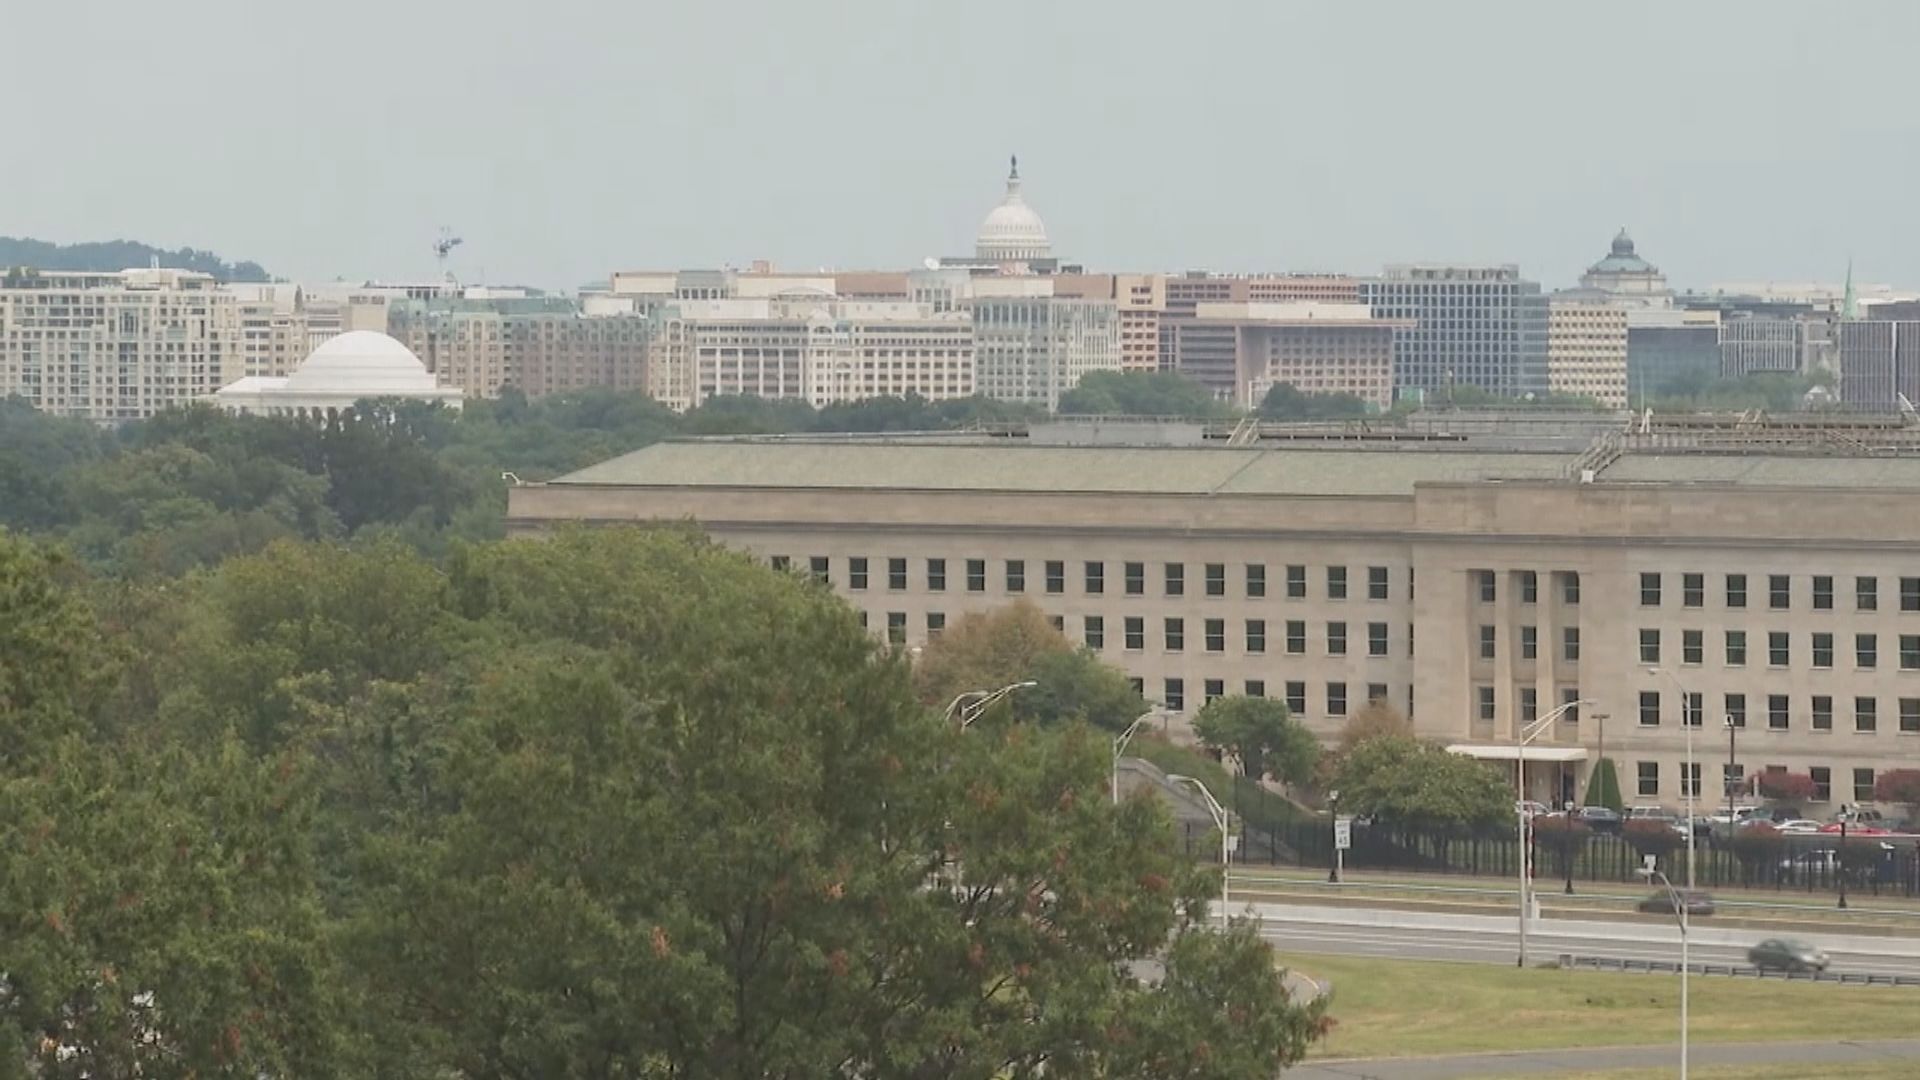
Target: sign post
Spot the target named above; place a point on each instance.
(1342, 840)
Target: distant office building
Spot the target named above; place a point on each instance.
(1668, 349)
(350, 368)
(1240, 351)
(1587, 346)
(1141, 301)
(1627, 279)
(1759, 344)
(1483, 326)
(1878, 363)
(1033, 346)
(119, 346)
(538, 345)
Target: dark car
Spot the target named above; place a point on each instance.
(1598, 818)
(1661, 903)
(1786, 954)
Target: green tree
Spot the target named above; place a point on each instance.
(1284, 402)
(1261, 735)
(1408, 783)
(1603, 787)
(1650, 837)
(1141, 393)
(1017, 643)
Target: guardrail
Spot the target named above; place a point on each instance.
(1540, 889)
(1608, 963)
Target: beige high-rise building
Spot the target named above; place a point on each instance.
(1587, 347)
(1241, 351)
(1743, 575)
(1033, 346)
(113, 347)
(537, 345)
(1141, 302)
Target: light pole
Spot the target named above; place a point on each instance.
(1219, 813)
(1568, 855)
(1733, 790)
(1688, 784)
(1120, 747)
(1840, 870)
(1333, 807)
(974, 703)
(1522, 735)
(1686, 956)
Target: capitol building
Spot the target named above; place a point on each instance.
(1012, 239)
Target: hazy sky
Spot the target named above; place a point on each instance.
(1739, 140)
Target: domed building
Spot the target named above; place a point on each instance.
(1012, 232)
(1626, 278)
(360, 365)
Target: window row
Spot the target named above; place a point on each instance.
(1779, 644)
(1252, 634)
(1733, 777)
(1821, 590)
(1014, 577)
(1333, 695)
(1778, 714)
(1487, 585)
(1486, 707)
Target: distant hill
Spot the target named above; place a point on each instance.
(121, 255)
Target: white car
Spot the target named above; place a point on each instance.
(1798, 825)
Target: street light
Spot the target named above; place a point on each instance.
(1522, 735)
(1120, 746)
(1688, 781)
(1686, 957)
(1333, 807)
(1846, 811)
(1568, 855)
(1220, 819)
(1733, 760)
(974, 703)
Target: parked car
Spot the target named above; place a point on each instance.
(1860, 816)
(1599, 818)
(1798, 825)
(1856, 829)
(1530, 808)
(1661, 903)
(1786, 954)
(1778, 814)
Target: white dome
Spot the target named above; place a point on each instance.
(363, 363)
(1012, 231)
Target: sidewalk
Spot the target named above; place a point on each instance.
(1548, 1062)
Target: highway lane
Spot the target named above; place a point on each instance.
(1493, 947)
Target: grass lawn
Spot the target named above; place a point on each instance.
(1395, 1008)
(1878, 1070)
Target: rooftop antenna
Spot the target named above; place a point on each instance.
(443, 247)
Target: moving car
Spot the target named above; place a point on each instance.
(1598, 818)
(1786, 954)
(1661, 903)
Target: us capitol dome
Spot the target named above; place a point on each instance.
(1012, 232)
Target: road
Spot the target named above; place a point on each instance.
(1814, 1055)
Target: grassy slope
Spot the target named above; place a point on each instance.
(1261, 808)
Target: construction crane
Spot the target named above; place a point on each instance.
(443, 247)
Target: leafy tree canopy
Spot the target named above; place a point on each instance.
(112, 255)
(1405, 782)
(1141, 393)
(1017, 643)
(1261, 735)
(1284, 402)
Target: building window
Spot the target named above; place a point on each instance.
(1732, 776)
(1296, 636)
(1296, 583)
(1866, 593)
(936, 575)
(976, 575)
(1487, 642)
(1693, 708)
(1737, 709)
(1570, 587)
(1256, 688)
(1692, 647)
(1016, 575)
(897, 575)
(1866, 714)
(822, 569)
(1336, 583)
(1297, 698)
(1909, 716)
(1176, 578)
(863, 619)
(936, 624)
(1136, 578)
(1376, 583)
(1649, 590)
(1649, 779)
(1863, 785)
(1094, 629)
(1866, 650)
(1823, 650)
(1489, 588)
(1174, 695)
(1822, 592)
(781, 563)
(1693, 590)
(1822, 713)
(1256, 635)
(1736, 590)
(1485, 696)
(1096, 575)
(1256, 580)
(1569, 695)
(1779, 654)
(1822, 778)
(1216, 635)
(1376, 692)
(1776, 712)
(1649, 646)
(1056, 576)
(1135, 631)
(1216, 579)
(1139, 685)
(1649, 708)
(1779, 592)
(1174, 631)
(1529, 587)
(1910, 594)
(1690, 779)
(1529, 642)
(897, 627)
(1529, 705)
(1570, 644)
(1736, 648)
(1336, 699)
(1377, 639)
(1212, 690)
(1336, 639)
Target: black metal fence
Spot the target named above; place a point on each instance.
(1812, 863)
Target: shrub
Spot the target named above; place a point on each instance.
(1656, 838)
(1758, 844)
(1603, 788)
(1898, 786)
(1785, 786)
